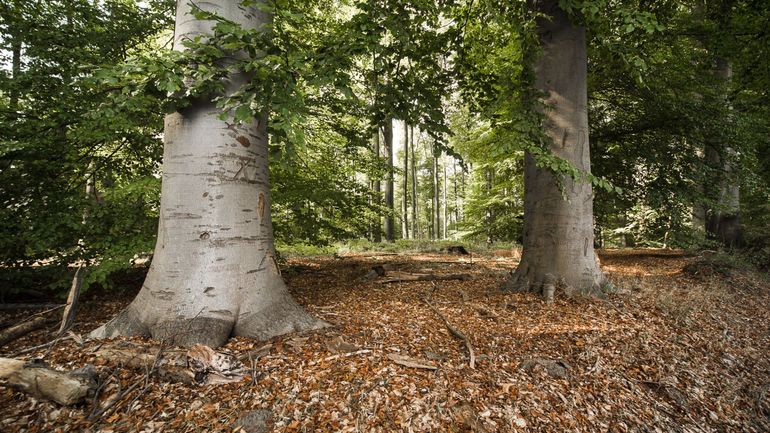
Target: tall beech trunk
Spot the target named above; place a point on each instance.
(405, 189)
(214, 273)
(723, 222)
(436, 192)
(376, 187)
(415, 223)
(558, 230)
(389, 205)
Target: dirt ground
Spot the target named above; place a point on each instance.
(682, 346)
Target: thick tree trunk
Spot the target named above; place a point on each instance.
(723, 222)
(377, 223)
(214, 273)
(405, 189)
(415, 223)
(558, 225)
(389, 205)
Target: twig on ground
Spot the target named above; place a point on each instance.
(456, 333)
(345, 355)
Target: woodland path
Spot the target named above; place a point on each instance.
(684, 345)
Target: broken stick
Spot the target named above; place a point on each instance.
(68, 317)
(457, 334)
(424, 277)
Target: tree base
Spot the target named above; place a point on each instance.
(528, 279)
(276, 319)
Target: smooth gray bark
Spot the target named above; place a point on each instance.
(444, 199)
(558, 229)
(389, 187)
(377, 188)
(436, 200)
(415, 223)
(405, 189)
(214, 272)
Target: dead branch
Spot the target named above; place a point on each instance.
(43, 382)
(457, 334)
(113, 402)
(424, 277)
(10, 307)
(17, 331)
(172, 366)
(200, 365)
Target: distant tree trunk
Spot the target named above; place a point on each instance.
(214, 272)
(415, 222)
(558, 230)
(723, 222)
(489, 214)
(389, 205)
(405, 189)
(445, 219)
(377, 222)
(436, 204)
(454, 188)
(16, 71)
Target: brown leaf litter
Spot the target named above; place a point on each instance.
(669, 351)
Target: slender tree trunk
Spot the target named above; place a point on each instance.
(415, 222)
(16, 71)
(405, 189)
(490, 215)
(389, 205)
(377, 223)
(445, 219)
(558, 230)
(436, 204)
(454, 188)
(723, 222)
(214, 272)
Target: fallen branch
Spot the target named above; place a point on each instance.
(411, 362)
(9, 307)
(345, 355)
(424, 277)
(17, 331)
(200, 365)
(171, 367)
(456, 333)
(43, 382)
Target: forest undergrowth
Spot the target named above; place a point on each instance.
(682, 345)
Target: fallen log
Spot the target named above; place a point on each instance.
(11, 307)
(397, 278)
(46, 383)
(23, 328)
(171, 367)
(200, 365)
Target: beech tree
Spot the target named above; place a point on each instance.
(214, 272)
(558, 239)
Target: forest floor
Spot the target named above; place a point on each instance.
(682, 346)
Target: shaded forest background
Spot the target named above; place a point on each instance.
(84, 87)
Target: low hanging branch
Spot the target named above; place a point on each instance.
(457, 334)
